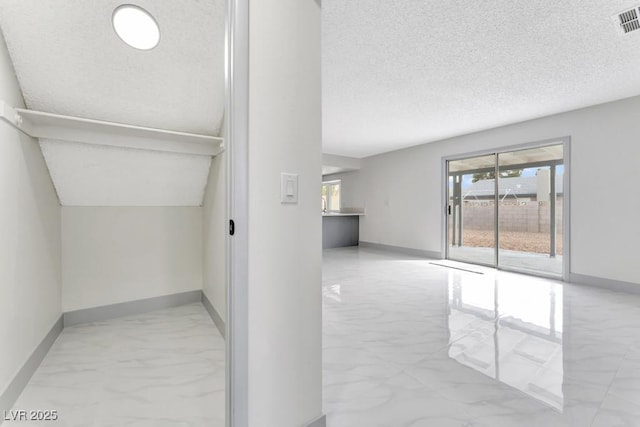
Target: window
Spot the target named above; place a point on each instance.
(331, 196)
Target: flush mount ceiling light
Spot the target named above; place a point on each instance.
(136, 27)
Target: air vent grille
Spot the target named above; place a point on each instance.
(628, 20)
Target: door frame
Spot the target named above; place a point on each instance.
(566, 212)
(236, 141)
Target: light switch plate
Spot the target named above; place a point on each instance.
(288, 187)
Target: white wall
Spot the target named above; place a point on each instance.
(215, 233)
(117, 254)
(402, 189)
(350, 189)
(285, 352)
(29, 239)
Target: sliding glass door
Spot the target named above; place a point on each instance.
(471, 211)
(530, 209)
(505, 209)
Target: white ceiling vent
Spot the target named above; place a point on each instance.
(627, 21)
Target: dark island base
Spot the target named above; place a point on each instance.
(340, 231)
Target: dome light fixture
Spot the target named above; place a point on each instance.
(136, 27)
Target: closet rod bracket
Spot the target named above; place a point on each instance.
(18, 120)
(10, 115)
(13, 117)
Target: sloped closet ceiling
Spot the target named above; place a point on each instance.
(69, 61)
(124, 177)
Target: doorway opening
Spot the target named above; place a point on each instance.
(508, 208)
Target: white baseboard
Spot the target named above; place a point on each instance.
(105, 312)
(402, 250)
(610, 284)
(318, 422)
(11, 393)
(215, 316)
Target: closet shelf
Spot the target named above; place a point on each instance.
(66, 128)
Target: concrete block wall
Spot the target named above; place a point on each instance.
(530, 217)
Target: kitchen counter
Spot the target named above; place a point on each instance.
(342, 213)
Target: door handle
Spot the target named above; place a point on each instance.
(449, 209)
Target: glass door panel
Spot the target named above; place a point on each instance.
(471, 210)
(530, 199)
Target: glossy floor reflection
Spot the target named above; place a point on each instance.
(410, 343)
(164, 368)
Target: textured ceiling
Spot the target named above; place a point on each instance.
(69, 61)
(94, 175)
(400, 73)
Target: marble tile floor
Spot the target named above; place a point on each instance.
(411, 344)
(163, 368)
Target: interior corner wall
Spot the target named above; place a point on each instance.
(403, 189)
(30, 284)
(215, 234)
(285, 244)
(118, 254)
